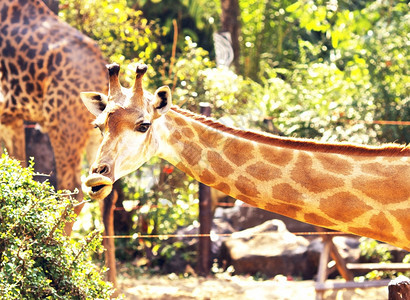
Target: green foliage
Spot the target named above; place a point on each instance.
(385, 53)
(229, 93)
(36, 260)
(268, 35)
(195, 18)
(367, 43)
(317, 102)
(406, 260)
(373, 251)
(167, 200)
(123, 34)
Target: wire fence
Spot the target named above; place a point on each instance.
(213, 235)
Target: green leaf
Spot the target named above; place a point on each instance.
(293, 7)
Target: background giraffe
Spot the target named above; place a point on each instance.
(44, 65)
(364, 190)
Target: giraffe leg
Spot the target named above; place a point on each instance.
(108, 219)
(12, 135)
(68, 166)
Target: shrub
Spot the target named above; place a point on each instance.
(36, 260)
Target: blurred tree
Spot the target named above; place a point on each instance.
(368, 42)
(195, 18)
(230, 23)
(123, 34)
(269, 36)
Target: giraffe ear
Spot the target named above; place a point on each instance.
(162, 100)
(95, 102)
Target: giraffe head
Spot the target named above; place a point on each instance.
(125, 118)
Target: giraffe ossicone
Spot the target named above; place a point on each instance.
(364, 190)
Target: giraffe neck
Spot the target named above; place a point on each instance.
(365, 191)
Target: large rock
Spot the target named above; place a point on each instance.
(241, 217)
(268, 249)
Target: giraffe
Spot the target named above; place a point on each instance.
(363, 190)
(44, 64)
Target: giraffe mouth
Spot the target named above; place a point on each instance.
(100, 186)
(97, 188)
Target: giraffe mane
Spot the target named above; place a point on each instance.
(301, 143)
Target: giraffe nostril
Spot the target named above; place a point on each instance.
(102, 169)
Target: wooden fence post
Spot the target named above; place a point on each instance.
(205, 216)
(399, 288)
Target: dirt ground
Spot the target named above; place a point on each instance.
(233, 287)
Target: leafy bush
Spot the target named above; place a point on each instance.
(374, 251)
(36, 260)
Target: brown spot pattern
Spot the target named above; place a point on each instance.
(303, 144)
(223, 187)
(180, 122)
(191, 153)
(43, 83)
(335, 164)
(219, 165)
(184, 169)
(384, 190)
(209, 137)
(187, 132)
(246, 187)
(285, 192)
(238, 151)
(378, 169)
(370, 232)
(402, 216)
(207, 177)
(276, 156)
(119, 120)
(380, 223)
(315, 219)
(248, 200)
(174, 138)
(343, 206)
(315, 181)
(288, 210)
(263, 172)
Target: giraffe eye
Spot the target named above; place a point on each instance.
(99, 128)
(143, 127)
(96, 127)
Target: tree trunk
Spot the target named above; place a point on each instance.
(230, 23)
(205, 218)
